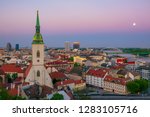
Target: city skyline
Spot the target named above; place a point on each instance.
(94, 23)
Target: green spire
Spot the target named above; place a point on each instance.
(37, 39)
(37, 23)
(37, 19)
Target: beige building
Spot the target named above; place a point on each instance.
(79, 85)
(96, 77)
(115, 85)
(73, 84)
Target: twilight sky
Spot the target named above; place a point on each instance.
(95, 23)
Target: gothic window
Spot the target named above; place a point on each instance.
(38, 73)
(38, 54)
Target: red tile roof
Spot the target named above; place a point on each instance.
(46, 90)
(12, 68)
(70, 81)
(57, 62)
(79, 81)
(98, 72)
(65, 82)
(111, 79)
(118, 67)
(31, 91)
(121, 60)
(131, 62)
(28, 69)
(64, 56)
(57, 75)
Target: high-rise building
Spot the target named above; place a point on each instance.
(17, 47)
(67, 46)
(76, 45)
(8, 47)
(38, 73)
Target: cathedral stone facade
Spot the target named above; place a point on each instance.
(38, 73)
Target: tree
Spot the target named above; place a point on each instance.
(137, 86)
(71, 59)
(4, 94)
(57, 96)
(143, 84)
(8, 77)
(14, 76)
(133, 87)
(76, 64)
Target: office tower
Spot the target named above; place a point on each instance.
(67, 46)
(8, 47)
(17, 47)
(76, 45)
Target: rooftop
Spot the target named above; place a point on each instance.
(35, 91)
(98, 72)
(11, 68)
(111, 79)
(57, 75)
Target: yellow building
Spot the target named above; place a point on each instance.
(80, 60)
(79, 85)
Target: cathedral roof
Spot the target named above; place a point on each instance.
(37, 39)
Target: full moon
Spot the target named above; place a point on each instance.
(134, 24)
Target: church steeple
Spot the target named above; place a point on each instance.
(37, 23)
(37, 39)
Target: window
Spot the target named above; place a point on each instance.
(38, 73)
(38, 54)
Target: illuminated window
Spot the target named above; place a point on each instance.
(38, 73)
(38, 54)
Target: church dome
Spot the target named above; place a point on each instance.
(37, 39)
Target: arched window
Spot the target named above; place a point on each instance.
(38, 73)
(38, 54)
